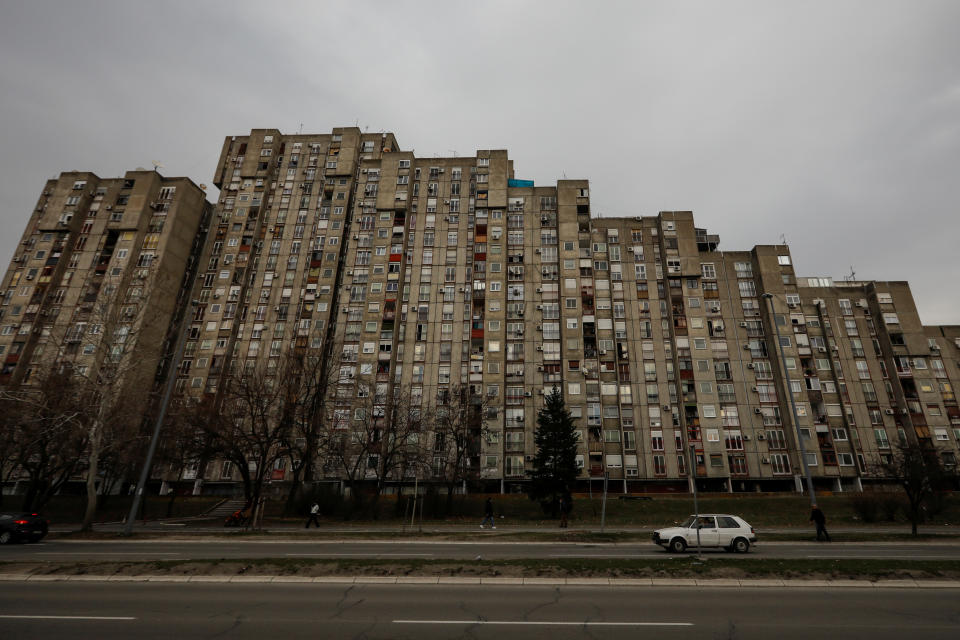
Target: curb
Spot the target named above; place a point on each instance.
(480, 581)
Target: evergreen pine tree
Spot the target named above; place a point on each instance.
(555, 464)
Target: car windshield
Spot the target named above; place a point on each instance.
(689, 522)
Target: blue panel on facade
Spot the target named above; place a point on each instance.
(519, 183)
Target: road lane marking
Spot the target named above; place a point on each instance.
(359, 555)
(911, 557)
(11, 617)
(546, 623)
(612, 555)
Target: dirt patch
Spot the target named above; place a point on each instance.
(627, 568)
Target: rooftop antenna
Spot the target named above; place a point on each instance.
(453, 151)
(783, 239)
(157, 164)
(853, 275)
(301, 129)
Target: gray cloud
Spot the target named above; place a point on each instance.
(836, 124)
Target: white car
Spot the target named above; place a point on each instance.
(716, 530)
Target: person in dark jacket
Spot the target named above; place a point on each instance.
(488, 514)
(566, 506)
(817, 517)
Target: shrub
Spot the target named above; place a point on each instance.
(866, 506)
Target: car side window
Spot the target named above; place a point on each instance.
(726, 522)
(707, 523)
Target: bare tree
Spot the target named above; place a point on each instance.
(44, 438)
(253, 424)
(457, 422)
(310, 376)
(919, 471)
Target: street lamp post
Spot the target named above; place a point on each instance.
(161, 414)
(793, 404)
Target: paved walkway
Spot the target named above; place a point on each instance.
(500, 581)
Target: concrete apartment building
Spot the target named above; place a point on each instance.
(421, 276)
(100, 272)
(429, 273)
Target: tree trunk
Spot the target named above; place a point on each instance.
(96, 435)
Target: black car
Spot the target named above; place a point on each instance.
(25, 527)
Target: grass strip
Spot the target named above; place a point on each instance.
(668, 567)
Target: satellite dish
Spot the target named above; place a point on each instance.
(157, 164)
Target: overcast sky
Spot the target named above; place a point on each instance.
(835, 124)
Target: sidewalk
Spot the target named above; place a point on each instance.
(296, 528)
(499, 581)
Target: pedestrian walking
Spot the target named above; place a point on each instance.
(566, 506)
(817, 517)
(488, 514)
(314, 516)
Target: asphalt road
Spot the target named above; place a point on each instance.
(166, 549)
(144, 610)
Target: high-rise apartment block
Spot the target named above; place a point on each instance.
(100, 272)
(421, 276)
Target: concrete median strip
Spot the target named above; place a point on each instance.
(703, 583)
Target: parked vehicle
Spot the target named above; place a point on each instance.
(22, 527)
(731, 533)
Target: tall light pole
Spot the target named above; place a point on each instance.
(793, 405)
(161, 414)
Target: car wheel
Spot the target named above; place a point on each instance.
(740, 545)
(6, 537)
(678, 545)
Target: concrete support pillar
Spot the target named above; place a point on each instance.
(838, 485)
(798, 483)
(857, 485)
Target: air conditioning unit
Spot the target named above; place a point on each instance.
(528, 458)
(539, 307)
(29, 277)
(757, 410)
(108, 207)
(822, 349)
(858, 304)
(539, 290)
(539, 347)
(760, 435)
(538, 251)
(603, 352)
(890, 412)
(747, 347)
(539, 368)
(540, 391)
(934, 347)
(527, 394)
(519, 419)
(765, 460)
(750, 365)
(630, 249)
(743, 325)
(746, 437)
(539, 328)
(666, 407)
(753, 388)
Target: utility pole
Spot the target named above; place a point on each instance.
(603, 509)
(161, 414)
(793, 405)
(696, 503)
